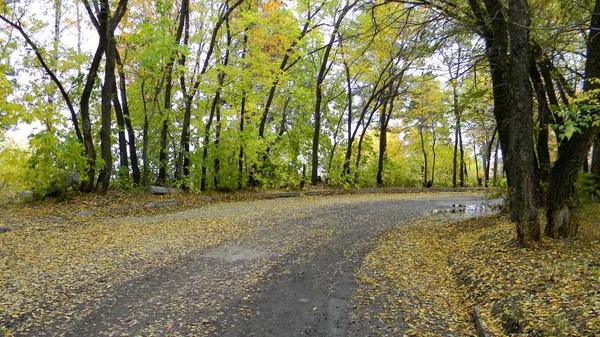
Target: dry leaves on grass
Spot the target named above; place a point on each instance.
(549, 289)
(45, 269)
(406, 280)
(419, 277)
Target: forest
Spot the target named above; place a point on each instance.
(232, 94)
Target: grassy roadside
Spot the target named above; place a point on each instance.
(426, 277)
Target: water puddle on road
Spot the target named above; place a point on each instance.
(468, 210)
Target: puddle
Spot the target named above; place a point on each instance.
(236, 253)
(469, 210)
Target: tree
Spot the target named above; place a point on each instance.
(323, 70)
(561, 197)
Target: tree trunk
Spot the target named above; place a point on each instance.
(456, 135)
(164, 131)
(463, 168)
(383, 140)
(522, 186)
(425, 160)
(108, 89)
(476, 164)
(561, 197)
(496, 163)
(319, 95)
(213, 110)
(361, 138)
(433, 155)
(350, 135)
(84, 103)
(145, 135)
(595, 166)
(488, 158)
(182, 162)
(217, 139)
(106, 116)
(135, 168)
(241, 154)
(123, 157)
(544, 113)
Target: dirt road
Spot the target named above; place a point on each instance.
(293, 276)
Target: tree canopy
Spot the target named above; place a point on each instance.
(230, 94)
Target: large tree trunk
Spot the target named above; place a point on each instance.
(107, 90)
(106, 116)
(182, 163)
(561, 198)
(523, 187)
(512, 104)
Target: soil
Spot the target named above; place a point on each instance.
(293, 276)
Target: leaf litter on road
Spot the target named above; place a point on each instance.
(54, 261)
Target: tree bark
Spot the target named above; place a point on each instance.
(462, 165)
(561, 198)
(84, 103)
(135, 166)
(522, 188)
(384, 121)
(107, 89)
(595, 165)
(123, 157)
(457, 133)
(488, 158)
(182, 164)
(544, 113)
(425, 159)
(319, 94)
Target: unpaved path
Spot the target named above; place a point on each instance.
(293, 276)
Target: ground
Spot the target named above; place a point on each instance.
(350, 265)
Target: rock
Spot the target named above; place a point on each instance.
(57, 186)
(481, 332)
(161, 204)
(124, 208)
(85, 213)
(368, 190)
(26, 196)
(159, 190)
(511, 314)
(70, 180)
(311, 193)
(280, 195)
(4, 229)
